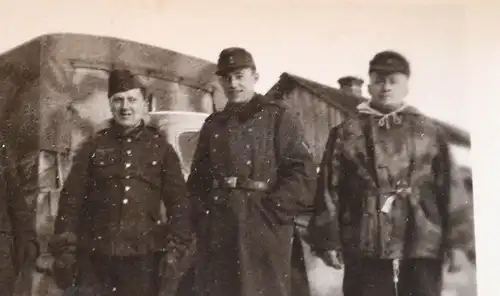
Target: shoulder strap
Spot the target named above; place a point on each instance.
(277, 126)
(370, 146)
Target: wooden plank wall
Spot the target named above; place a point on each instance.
(317, 117)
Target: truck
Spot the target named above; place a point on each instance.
(53, 95)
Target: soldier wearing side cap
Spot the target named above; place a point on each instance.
(252, 173)
(109, 218)
(388, 201)
(351, 85)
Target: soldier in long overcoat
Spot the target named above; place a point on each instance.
(18, 243)
(252, 174)
(389, 199)
(110, 206)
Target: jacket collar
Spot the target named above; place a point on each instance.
(121, 132)
(387, 117)
(246, 111)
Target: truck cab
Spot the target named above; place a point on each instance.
(182, 130)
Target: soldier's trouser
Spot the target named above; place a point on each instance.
(300, 283)
(7, 273)
(124, 276)
(7, 277)
(374, 277)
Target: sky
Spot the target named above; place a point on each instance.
(316, 39)
(319, 40)
(452, 46)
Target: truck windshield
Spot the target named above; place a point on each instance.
(187, 145)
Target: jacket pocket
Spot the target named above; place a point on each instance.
(6, 250)
(103, 164)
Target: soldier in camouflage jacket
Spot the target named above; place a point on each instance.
(389, 198)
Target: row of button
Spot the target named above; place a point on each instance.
(127, 165)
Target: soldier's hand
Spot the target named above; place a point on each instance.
(168, 272)
(63, 270)
(27, 252)
(456, 261)
(168, 265)
(331, 258)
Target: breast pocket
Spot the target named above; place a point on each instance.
(151, 166)
(104, 165)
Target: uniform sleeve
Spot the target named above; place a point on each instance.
(22, 215)
(454, 202)
(200, 180)
(296, 176)
(324, 228)
(176, 199)
(74, 193)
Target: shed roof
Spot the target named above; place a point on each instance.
(348, 103)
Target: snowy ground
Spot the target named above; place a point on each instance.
(324, 281)
(327, 281)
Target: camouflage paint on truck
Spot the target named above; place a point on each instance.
(53, 94)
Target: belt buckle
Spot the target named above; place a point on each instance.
(231, 181)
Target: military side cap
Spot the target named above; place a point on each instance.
(389, 62)
(121, 80)
(234, 58)
(350, 80)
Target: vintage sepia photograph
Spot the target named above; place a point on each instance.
(170, 149)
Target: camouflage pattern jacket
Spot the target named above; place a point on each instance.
(112, 197)
(388, 188)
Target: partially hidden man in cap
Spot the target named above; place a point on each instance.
(109, 218)
(389, 199)
(351, 85)
(252, 173)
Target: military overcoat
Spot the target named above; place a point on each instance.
(245, 232)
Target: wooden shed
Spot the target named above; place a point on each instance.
(321, 107)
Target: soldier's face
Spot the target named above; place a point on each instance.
(129, 107)
(388, 88)
(239, 85)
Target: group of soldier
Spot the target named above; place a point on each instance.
(386, 203)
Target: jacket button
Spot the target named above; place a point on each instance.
(125, 201)
(127, 165)
(127, 188)
(129, 152)
(127, 177)
(154, 162)
(249, 162)
(129, 140)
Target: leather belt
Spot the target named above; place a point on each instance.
(240, 183)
